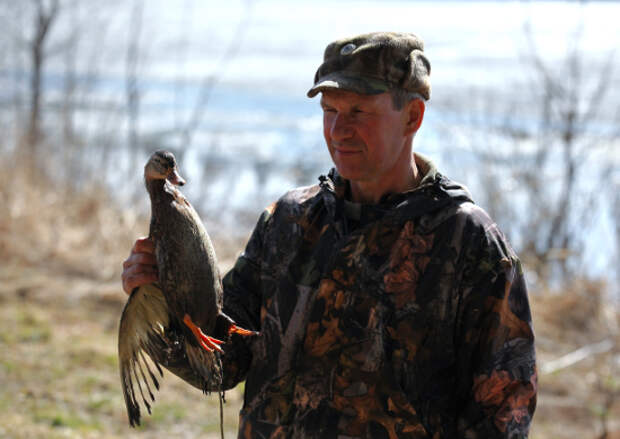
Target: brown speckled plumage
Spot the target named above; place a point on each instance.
(189, 284)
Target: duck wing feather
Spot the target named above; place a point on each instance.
(149, 329)
(141, 330)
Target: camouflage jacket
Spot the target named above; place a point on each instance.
(404, 319)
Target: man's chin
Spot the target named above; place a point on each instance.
(349, 173)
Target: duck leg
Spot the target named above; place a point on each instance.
(225, 326)
(234, 329)
(210, 344)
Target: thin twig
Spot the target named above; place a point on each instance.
(576, 356)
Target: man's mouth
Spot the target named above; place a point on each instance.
(345, 150)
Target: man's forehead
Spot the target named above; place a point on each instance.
(335, 95)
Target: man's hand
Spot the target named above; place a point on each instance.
(140, 268)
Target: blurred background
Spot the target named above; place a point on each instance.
(525, 111)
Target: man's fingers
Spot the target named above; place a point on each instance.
(138, 279)
(143, 245)
(140, 267)
(140, 259)
(134, 269)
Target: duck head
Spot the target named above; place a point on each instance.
(163, 166)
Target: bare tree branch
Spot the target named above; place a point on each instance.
(43, 21)
(211, 80)
(131, 82)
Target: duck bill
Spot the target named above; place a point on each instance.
(175, 178)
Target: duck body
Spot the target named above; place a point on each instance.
(183, 310)
(186, 260)
(188, 277)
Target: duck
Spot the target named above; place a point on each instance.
(183, 310)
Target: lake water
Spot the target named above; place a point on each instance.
(258, 102)
(258, 134)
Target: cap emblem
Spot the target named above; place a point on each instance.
(347, 49)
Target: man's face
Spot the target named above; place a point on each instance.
(365, 135)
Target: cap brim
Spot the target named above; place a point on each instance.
(343, 81)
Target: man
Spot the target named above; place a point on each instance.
(388, 304)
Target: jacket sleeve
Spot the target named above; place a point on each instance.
(497, 365)
(242, 302)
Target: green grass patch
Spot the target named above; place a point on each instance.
(34, 335)
(100, 404)
(5, 403)
(58, 419)
(111, 360)
(168, 412)
(7, 365)
(29, 327)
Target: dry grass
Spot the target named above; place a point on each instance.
(574, 401)
(45, 226)
(59, 368)
(60, 301)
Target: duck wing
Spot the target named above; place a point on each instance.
(148, 327)
(141, 330)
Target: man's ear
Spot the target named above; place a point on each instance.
(415, 114)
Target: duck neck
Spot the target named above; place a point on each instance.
(154, 185)
(155, 188)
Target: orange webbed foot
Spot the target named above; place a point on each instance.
(234, 329)
(210, 344)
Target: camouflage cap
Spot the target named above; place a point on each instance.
(375, 63)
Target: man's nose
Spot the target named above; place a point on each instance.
(341, 127)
